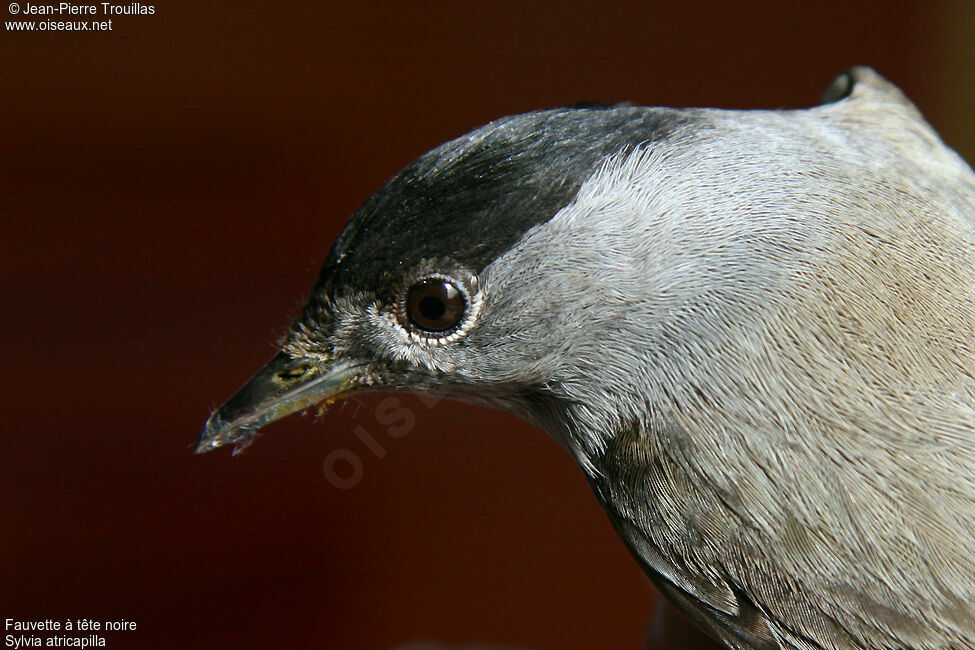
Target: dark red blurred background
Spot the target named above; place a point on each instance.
(168, 190)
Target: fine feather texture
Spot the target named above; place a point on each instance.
(754, 330)
(773, 383)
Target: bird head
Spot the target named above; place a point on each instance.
(428, 289)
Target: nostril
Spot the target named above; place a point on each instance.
(293, 372)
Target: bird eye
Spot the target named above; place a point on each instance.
(435, 305)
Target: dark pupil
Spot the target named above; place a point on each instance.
(432, 308)
(434, 305)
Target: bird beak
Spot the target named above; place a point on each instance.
(282, 387)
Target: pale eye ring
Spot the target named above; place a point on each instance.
(435, 305)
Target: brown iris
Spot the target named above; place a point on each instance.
(435, 305)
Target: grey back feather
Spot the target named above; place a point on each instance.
(767, 359)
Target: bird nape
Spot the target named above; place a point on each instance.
(754, 331)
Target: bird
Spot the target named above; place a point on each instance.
(753, 330)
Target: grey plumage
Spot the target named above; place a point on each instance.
(754, 330)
